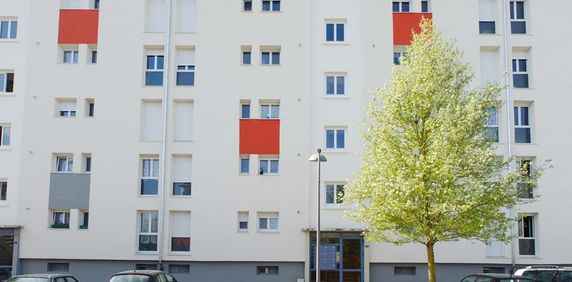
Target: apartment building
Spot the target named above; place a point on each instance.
(176, 133)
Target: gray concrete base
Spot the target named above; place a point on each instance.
(445, 272)
(101, 271)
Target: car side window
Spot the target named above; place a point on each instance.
(483, 279)
(71, 279)
(469, 279)
(161, 277)
(60, 279)
(565, 276)
(170, 278)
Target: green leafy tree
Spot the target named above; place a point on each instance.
(429, 172)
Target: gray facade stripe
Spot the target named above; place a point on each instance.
(69, 191)
(384, 272)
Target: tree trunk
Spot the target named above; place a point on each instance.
(431, 262)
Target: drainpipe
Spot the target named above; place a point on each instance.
(509, 109)
(163, 157)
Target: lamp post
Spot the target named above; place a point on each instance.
(319, 158)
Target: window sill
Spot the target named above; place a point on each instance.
(269, 174)
(268, 231)
(150, 141)
(182, 196)
(182, 141)
(336, 97)
(149, 196)
(2, 204)
(9, 40)
(184, 85)
(270, 65)
(334, 151)
(334, 207)
(60, 117)
(179, 254)
(7, 94)
(244, 174)
(5, 148)
(336, 43)
(63, 172)
(271, 12)
(242, 231)
(146, 253)
(185, 32)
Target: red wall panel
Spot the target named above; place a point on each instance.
(404, 24)
(78, 26)
(260, 136)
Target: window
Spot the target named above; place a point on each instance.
(64, 163)
(245, 109)
(270, 111)
(517, 17)
(4, 135)
(493, 269)
(397, 55)
(96, 4)
(186, 13)
(247, 5)
(182, 171)
(521, 125)
(424, 6)
(267, 270)
(59, 267)
(267, 221)
(400, 7)
(335, 193)
(183, 120)
(66, 107)
(492, 133)
(244, 164)
(71, 4)
(60, 219)
(145, 266)
(89, 107)
(335, 138)
(70, 56)
(8, 29)
(524, 187)
(180, 231)
(154, 70)
(487, 16)
(6, 82)
(83, 219)
(519, 73)
(242, 221)
(151, 121)
(149, 176)
(155, 16)
(186, 67)
(3, 190)
(526, 236)
(268, 166)
(148, 231)
(94, 56)
(246, 52)
(271, 5)
(335, 32)
(335, 84)
(404, 270)
(270, 56)
(179, 268)
(86, 158)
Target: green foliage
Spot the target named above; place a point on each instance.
(429, 173)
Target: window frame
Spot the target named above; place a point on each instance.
(181, 69)
(11, 29)
(54, 222)
(516, 70)
(74, 56)
(149, 232)
(427, 6)
(400, 6)
(519, 123)
(5, 134)
(335, 140)
(513, 15)
(244, 6)
(247, 159)
(268, 217)
(83, 220)
(4, 89)
(335, 76)
(271, 7)
(155, 68)
(3, 190)
(521, 183)
(271, 52)
(242, 216)
(337, 187)
(152, 172)
(68, 163)
(522, 236)
(273, 110)
(267, 169)
(494, 126)
(336, 38)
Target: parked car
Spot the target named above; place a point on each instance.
(5, 272)
(496, 277)
(48, 277)
(547, 273)
(142, 276)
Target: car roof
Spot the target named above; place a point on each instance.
(498, 275)
(144, 272)
(43, 275)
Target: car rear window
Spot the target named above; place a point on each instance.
(541, 275)
(27, 279)
(131, 278)
(516, 280)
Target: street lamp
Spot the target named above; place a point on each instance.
(319, 158)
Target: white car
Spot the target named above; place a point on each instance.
(547, 273)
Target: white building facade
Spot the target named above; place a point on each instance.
(177, 133)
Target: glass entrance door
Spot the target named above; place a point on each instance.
(341, 257)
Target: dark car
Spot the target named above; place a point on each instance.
(5, 272)
(48, 277)
(142, 276)
(494, 277)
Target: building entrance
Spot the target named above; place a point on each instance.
(6, 252)
(341, 257)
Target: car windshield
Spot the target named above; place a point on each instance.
(131, 278)
(28, 279)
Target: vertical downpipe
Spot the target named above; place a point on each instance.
(509, 110)
(163, 157)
